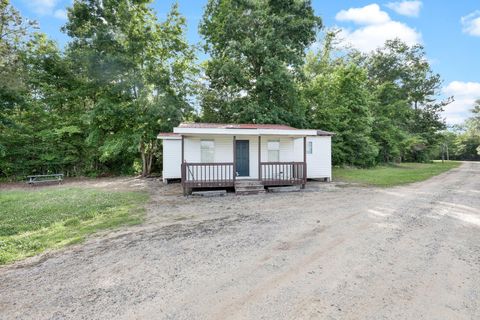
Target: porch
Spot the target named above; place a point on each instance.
(236, 174)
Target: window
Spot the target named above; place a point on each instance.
(207, 151)
(273, 147)
(309, 147)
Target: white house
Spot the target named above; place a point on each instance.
(211, 155)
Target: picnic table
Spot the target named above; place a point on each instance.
(34, 179)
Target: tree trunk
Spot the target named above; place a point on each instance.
(147, 157)
(144, 159)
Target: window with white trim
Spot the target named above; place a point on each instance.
(309, 147)
(273, 147)
(207, 151)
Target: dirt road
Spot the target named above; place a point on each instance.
(410, 252)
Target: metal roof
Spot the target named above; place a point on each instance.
(235, 126)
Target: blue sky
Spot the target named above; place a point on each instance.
(449, 30)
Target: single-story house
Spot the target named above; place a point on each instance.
(211, 155)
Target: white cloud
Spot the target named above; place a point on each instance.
(471, 23)
(406, 8)
(371, 37)
(46, 8)
(377, 27)
(60, 14)
(370, 14)
(42, 7)
(465, 94)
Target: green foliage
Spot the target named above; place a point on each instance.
(339, 101)
(14, 33)
(392, 175)
(33, 221)
(136, 72)
(406, 88)
(46, 131)
(256, 52)
(462, 142)
(381, 105)
(96, 107)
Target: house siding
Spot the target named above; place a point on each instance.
(319, 163)
(172, 159)
(223, 148)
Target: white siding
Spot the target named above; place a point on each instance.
(223, 148)
(286, 148)
(172, 159)
(319, 163)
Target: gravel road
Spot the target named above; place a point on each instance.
(331, 252)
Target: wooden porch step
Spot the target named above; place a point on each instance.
(284, 189)
(245, 187)
(245, 183)
(210, 193)
(249, 191)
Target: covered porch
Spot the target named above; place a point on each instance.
(240, 158)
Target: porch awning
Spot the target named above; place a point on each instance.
(242, 129)
(248, 129)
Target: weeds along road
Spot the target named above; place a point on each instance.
(410, 252)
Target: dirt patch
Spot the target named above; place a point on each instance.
(330, 252)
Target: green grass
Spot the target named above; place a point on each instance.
(32, 221)
(392, 175)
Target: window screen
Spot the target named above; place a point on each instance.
(207, 151)
(273, 147)
(309, 147)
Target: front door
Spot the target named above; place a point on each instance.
(242, 158)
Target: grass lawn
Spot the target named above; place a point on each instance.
(32, 221)
(392, 175)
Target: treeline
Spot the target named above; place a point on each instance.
(462, 142)
(96, 106)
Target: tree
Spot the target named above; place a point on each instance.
(391, 116)
(256, 50)
(137, 73)
(46, 132)
(405, 70)
(464, 139)
(13, 36)
(473, 123)
(339, 99)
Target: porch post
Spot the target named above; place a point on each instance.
(259, 158)
(182, 167)
(183, 149)
(304, 162)
(234, 158)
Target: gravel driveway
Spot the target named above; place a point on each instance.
(331, 252)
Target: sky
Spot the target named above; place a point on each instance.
(449, 30)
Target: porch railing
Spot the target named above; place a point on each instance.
(283, 173)
(200, 175)
(204, 175)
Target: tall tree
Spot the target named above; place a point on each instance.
(337, 94)
(473, 123)
(137, 73)
(406, 70)
(45, 132)
(14, 33)
(256, 49)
